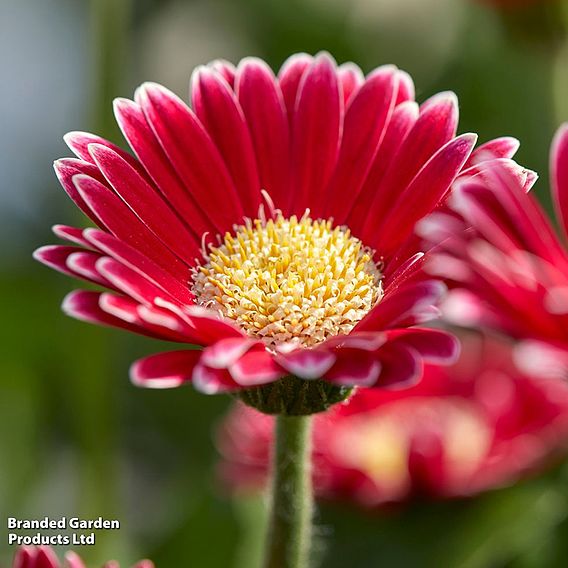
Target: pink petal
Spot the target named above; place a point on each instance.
(435, 126)
(74, 560)
(213, 381)
(350, 78)
(526, 210)
(440, 225)
(79, 143)
(147, 204)
(141, 138)
(541, 360)
(411, 304)
(165, 327)
(434, 345)
(226, 69)
(408, 269)
(530, 180)
(72, 261)
(24, 557)
(126, 226)
(165, 370)
(83, 263)
(402, 121)
(263, 105)
(514, 215)
(71, 234)
(401, 367)
(222, 354)
(209, 326)
(354, 368)
(256, 367)
(365, 124)
(121, 307)
(316, 134)
(133, 259)
(216, 105)
(448, 266)
(559, 175)
(129, 281)
(423, 194)
(66, 169)
(84, 305)
(192, 153)
(55, 256)
(307, 363)
(484, 210)
(46, 558)
(153, 317)
(484, 168)
(505, 147)
(289, 78)
(406, 90)
(364, 341)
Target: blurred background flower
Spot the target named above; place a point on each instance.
(477, 425)
(77, 438)
(505, 264)
(44, 557)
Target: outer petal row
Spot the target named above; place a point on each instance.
(392, 360)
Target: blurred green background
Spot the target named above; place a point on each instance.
(75, 437)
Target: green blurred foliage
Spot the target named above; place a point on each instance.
(78, 439)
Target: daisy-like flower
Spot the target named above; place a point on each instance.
(44, 557)
(509, 270)
(463, 429)
(271, 224)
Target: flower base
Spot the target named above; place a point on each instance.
(291, 396)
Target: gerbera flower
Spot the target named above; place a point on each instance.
(510, 271)
(44, 557)
(271, 225)
(463, 429)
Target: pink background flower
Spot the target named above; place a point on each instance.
(477, 425)
(45, 557)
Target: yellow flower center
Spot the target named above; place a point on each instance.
(289, 279)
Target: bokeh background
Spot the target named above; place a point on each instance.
(76, 438)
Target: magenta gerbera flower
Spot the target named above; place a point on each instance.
(271, 224)
(44, 557)
(509, 270)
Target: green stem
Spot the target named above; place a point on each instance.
(289, 530)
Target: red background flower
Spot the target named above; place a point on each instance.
(474, 426)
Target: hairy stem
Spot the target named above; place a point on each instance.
(289, 530)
